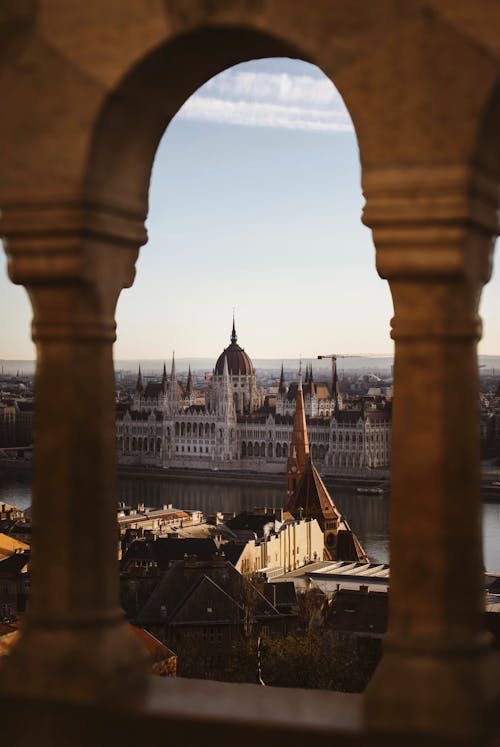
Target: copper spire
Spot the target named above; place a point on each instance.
(299, 448)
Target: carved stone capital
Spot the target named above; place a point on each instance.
(432, 221)
(434, 230)
(74, 258)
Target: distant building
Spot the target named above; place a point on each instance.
(232, 424)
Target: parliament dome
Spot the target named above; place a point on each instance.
(238, 362)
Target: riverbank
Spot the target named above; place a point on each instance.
(490, 492)
(239, 477)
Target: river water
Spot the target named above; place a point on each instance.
(368, 515)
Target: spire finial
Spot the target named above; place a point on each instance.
(234, 339)
(300, 376)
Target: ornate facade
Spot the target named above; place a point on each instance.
(233, 427)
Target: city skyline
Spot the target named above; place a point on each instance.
(255, 203)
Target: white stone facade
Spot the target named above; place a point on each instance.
(231, 430)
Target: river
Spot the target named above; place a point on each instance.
(368, 515)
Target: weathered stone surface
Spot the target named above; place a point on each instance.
(87, 91)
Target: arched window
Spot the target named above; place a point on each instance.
(152, 445)
(183, 429)
(256, 449)
(285, 450)
(278, 451)
(158, 445)
(195, 429)
(212, 429)
(189, 429)
(243, 450)
(177, 429)
(270, 450)
(250, 449)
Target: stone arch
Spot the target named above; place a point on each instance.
(129, 125)
(250, 449)
(243, 450)
(270, 451)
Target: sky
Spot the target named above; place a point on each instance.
(255, 204)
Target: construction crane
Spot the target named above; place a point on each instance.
(333, 358)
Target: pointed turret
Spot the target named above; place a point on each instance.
(299, 448)
(189, 384)
(173, 388)
(234, 338)
(139, 387)
(226, 399)
(281, 387)
(164, 378)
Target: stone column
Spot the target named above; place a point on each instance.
(76, 644)
(433, 233)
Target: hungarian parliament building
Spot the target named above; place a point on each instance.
(233, 425)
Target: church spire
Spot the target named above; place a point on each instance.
(139, 386)
(299, 448)
(189, 384)
(164, 377)
(281, 387)
(234, 338)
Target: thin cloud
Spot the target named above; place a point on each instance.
(293, 102)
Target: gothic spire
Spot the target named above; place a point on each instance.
(164, 377)
(299, 450)
(281, 387)
(172, 370)
(189, 384)
(139, 386)
(234, 338)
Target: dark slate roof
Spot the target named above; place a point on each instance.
(24, 406)
(14, 564)
(232, 551)
(493, 585)
(359, 612)
(167, 549)
(349, 546)
(190, 589)
(154, 389)
(281, 595)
